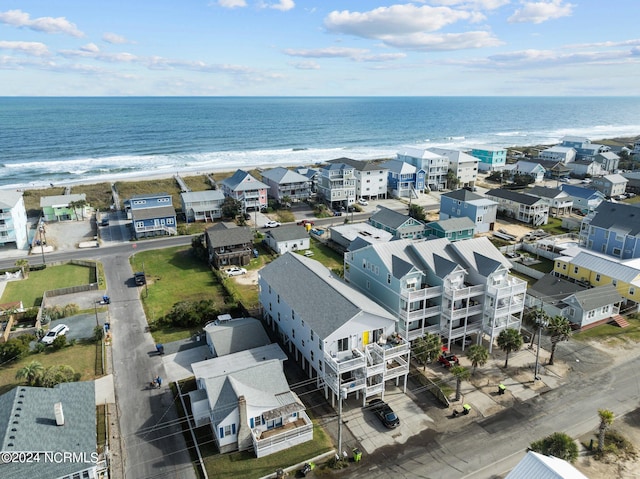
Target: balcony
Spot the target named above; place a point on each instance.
(419, 313)
(411, 296)
(464, 292)
(513, 286)
(290, 434)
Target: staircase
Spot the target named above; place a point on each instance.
(620, 321)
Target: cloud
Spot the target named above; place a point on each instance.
(18, 18)
(473, 4)
(114, 38)
(539, 12)
(232, 3)
(532, 58)
(36, 49)
(307, 65)
(444, 41)
(355, 54)
(282, 5)
(395, 20)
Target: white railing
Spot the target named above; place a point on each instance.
(424, 293)
(285, 439)
(420, 313)
(374, 389)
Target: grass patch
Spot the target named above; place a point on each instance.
(197, 183)
(81, 357)
(554, 226)
(173, 275)
(611, 334)
(98, 195)
(244, 465)
(101, 426)
(30, 290)
(325, 255)
(32, 199)
(544, 266)
(635, 199)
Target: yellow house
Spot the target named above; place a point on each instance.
(594, 270)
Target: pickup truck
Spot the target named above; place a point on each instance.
(448, 359)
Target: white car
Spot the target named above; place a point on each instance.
(363, 202)
(271, 224)
(59, 330)
(235, 271)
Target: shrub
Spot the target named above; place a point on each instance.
(98, 333)
(187, 314)
(59, 343)
(58, 374)
(13, 349)
(58, 312)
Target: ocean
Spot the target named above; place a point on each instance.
(81, 139)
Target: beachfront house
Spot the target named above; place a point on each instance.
(344, 340)
(613, 229)
(152, 215)
(434, 165)
(54, 421)
(403, 180)
(563, 154)
(463, 203)
(463, 166)
(250, 192)
(396, 223)
(610, 185)
(436, 286)
(558, 201)
(311, 174)
(585, 150)
(371, 178)
(13, 219)
(490, 158)
(287, 238)
(584, 199)
(454, 229)
(337, 185)
(285, 184)
(65, 207)
(521, 207)
(244, 395)
(229, 245)
(202, 205)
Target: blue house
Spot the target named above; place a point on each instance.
(490, 159)
(613, 229)
(152, 215)
(403, 179)
(584, 199)
(454, 229)
(463, 203)
(399, 225)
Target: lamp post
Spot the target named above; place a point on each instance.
(343, 395)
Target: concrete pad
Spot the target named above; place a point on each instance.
(482, 403)
(177, 366)
(104, 390)
(525, 394)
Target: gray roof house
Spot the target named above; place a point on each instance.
(231, 336)
(610, 185)
(559, 202)
(396, 223)
(229, 245)
(592, 307)
(202, 205)
(54, 420)
(548, 293)
(283, 182)
(345, 235)
(521, 207)
(287, 238)
(250, 192)
(340, 338)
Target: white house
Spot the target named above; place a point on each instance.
(564, 154)
(371, 178)
(463, 165)
(287, 238)
(13, 219)
(202, 205)
(343, 339)
(529, 168)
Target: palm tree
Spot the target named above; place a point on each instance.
(509, 340)
(23, 264)
(535, 319)
(461, 374)
(78, 204)
(606, 420)
(559, 328)
(478, 355)
(30, 373)
(427, 348)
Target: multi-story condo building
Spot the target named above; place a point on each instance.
(439, 287)
(613, 229)
(460, 203)
(525, 208)
(13, 219)
(337, 185)
(435, 166)
(463, 165)
(490, 158)
(285, 183)
(343, 339)
(250, 192)
(371, 178)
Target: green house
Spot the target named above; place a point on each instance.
(454, 229)
(59, 208)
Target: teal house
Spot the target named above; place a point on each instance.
(454, 229)
(61, 207)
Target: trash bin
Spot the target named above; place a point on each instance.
(357, 455)
(501, 388)
(466, 409)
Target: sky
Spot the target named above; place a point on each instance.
(319, 48)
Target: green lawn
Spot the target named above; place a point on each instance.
(554, 226)
(611, 334)
(30, 290)
(81, 357)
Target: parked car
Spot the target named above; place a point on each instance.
(467, 340)
(305, 223)
(308, 253)
(140, 278)
(272, 224)
(236, 271)
(59, 330)
(337, 213)
(448, 359)
(384, 412)
(363, 202)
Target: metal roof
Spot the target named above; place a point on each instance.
(463, 195)
(229, 236)
(454, 224)
(538, 466)
(391, 218)
(399, 167)
(360, 165)
(61, 200)
(9, 198)
(230, 363)
(236, 182)
(594, 298)
(284, 175)
(605, 266)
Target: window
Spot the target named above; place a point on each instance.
(293, 333)
(278, 315)
(269, 306)
(311, 336)
(278, 298)
(320, 344)
(616, 251)
(388, 278)
(257, 420)
(312, 356)
(564, 266)
(632, 290)
(591, 314)
(343, 344)
(320, 366)
(605, 309)
(575, 270)
(614, 282)
(597, 277)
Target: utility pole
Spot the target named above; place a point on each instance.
(146, 286)
(540, 323)
(342, 395)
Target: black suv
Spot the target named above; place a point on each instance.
(140, 278)
(384, 412)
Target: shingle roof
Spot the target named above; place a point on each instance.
(593, 298)
(463, 195)
(284, 175)
(360, 165)
(552, 289)
(206, 195)
(391, 218)
(544, 192)
(316, 295)
(237, 335)
(399, 167)
(236, 182)
(620, 216)
(154, 212)
(513, 196)
(288, 233)
(61, 200)
(229, 236)
(579, 192)
(28, 423)
(454, 224)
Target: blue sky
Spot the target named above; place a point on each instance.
(319, 48)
